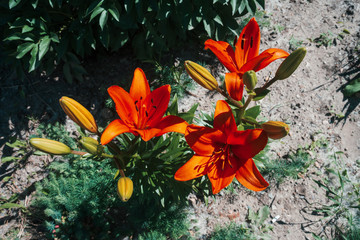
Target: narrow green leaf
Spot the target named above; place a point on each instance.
(9, 159)
(218, 20)
(54, 37)
(34, 3)
(94, 5)
(23, 49)
(6, 179)
(96, 12)
(207, 27)
(261, 3)
(261, 95)
(14, 36)
(34, 58)
(103, 19)
(67, 73)
(11, 205)
(44, 46)
(114, 12)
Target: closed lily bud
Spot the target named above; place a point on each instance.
(201, 75)
(275, 129)
(125, 188)
(90, 145)
(50, 146)
(250, 79)
(79, 114)
(290, 64)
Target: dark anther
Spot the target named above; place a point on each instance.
(136, 102)
(146, 113)
(242, 43)
(154, 106)
(140, 98)
(251, 41)
(152, 101)
(136, 108)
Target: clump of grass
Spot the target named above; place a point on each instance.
(230, 232)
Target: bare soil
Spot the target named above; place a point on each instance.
(310, 101)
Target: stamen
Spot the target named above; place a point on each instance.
(242, 43)
(136, 108)
(146, 113)
(251, 42)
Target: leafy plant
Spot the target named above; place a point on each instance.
(231, 231)
(42, 34)
(295, 43)
(343, 194)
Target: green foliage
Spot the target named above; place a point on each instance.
(43, 33)
(230, 232)
(295, 43)
(343, 195)
(176, 76)
(291, 166)
(256, 227)
(328, 39)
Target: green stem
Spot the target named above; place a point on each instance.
(267, 85)
(226, 95)
(242, 110)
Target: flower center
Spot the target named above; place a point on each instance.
(222, 155)
(144, 112)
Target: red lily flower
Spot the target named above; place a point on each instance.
(141, 111)
(246, 57)
(223, 152)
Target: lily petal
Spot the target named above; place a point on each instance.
(224, 52)
(114, 129)
(264, 59)
(204, 140)
(157, 103)
(139, 87)
(124, 103)
(234, 85)
(250, 177)
(195, 167)
(221, 174)
(171, 124)
(246, 144)
(247, 46)
(223, 118)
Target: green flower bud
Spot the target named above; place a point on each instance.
(90, 145)
(250, 79)
(50, 146)
(290, 64)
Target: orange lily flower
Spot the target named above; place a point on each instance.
(223, 152)
(141, 111)
(245, 58)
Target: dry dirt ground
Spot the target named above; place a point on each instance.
(313, 105)
(310, 101)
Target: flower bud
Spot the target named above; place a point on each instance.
(91, 145)
(275, 129)
(125, 188)
(201, 75)
(290, 64)
(250, 79)
(79, 114)
(50, 146)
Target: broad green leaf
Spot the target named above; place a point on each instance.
(26, 29)
(34, 58)
(352, 88)
(23, 49)
(103, 19)
(218, 20)
(44, 46)
(262, 3)
(253, 112)
(114, 12)
(242, 7)
(13, 3)
(54, 37)
(14, 36)
(207, 27)
(264, 213)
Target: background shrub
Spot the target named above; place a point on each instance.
(40, 34)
